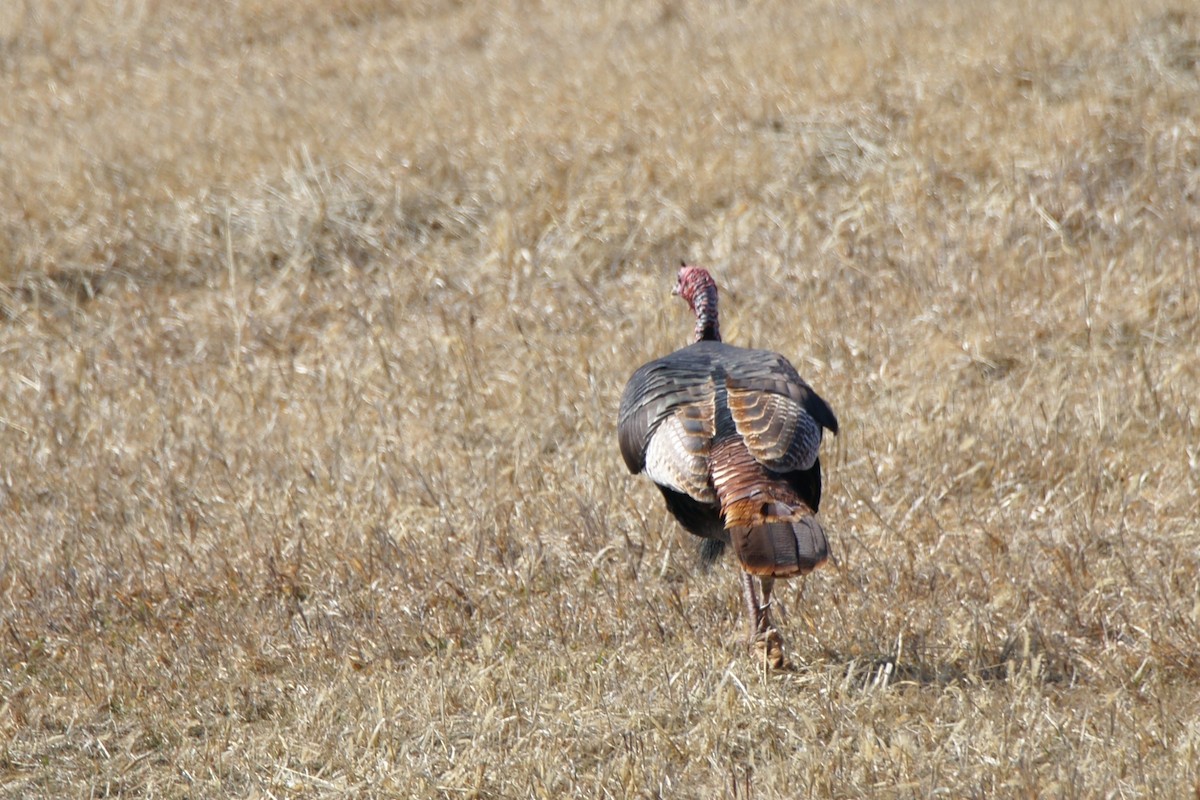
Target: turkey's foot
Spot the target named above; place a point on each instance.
(767, 648)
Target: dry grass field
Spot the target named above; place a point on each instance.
(313, 321)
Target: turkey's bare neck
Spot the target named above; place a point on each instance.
(707, 325)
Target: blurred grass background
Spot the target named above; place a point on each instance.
(313, 321)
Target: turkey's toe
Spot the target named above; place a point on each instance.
(767, 647)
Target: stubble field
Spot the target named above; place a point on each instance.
(313, 321)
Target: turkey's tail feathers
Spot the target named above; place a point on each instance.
(774, 540)
(773, 532)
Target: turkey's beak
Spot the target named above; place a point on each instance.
(675, 290)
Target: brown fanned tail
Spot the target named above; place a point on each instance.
(773, 532)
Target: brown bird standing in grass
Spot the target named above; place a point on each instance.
(730, 437)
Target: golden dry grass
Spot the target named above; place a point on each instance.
(313, 321)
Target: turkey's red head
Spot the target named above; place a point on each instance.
(699, 289)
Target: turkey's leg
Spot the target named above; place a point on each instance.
(764, 619)
(752, 606)
(760, 615)
(764, 639)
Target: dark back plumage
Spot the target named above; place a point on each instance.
(755, 393)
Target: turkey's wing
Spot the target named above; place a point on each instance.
(677, 455)
(772, 418)
(653, 395)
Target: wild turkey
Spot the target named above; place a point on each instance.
(730, 437)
